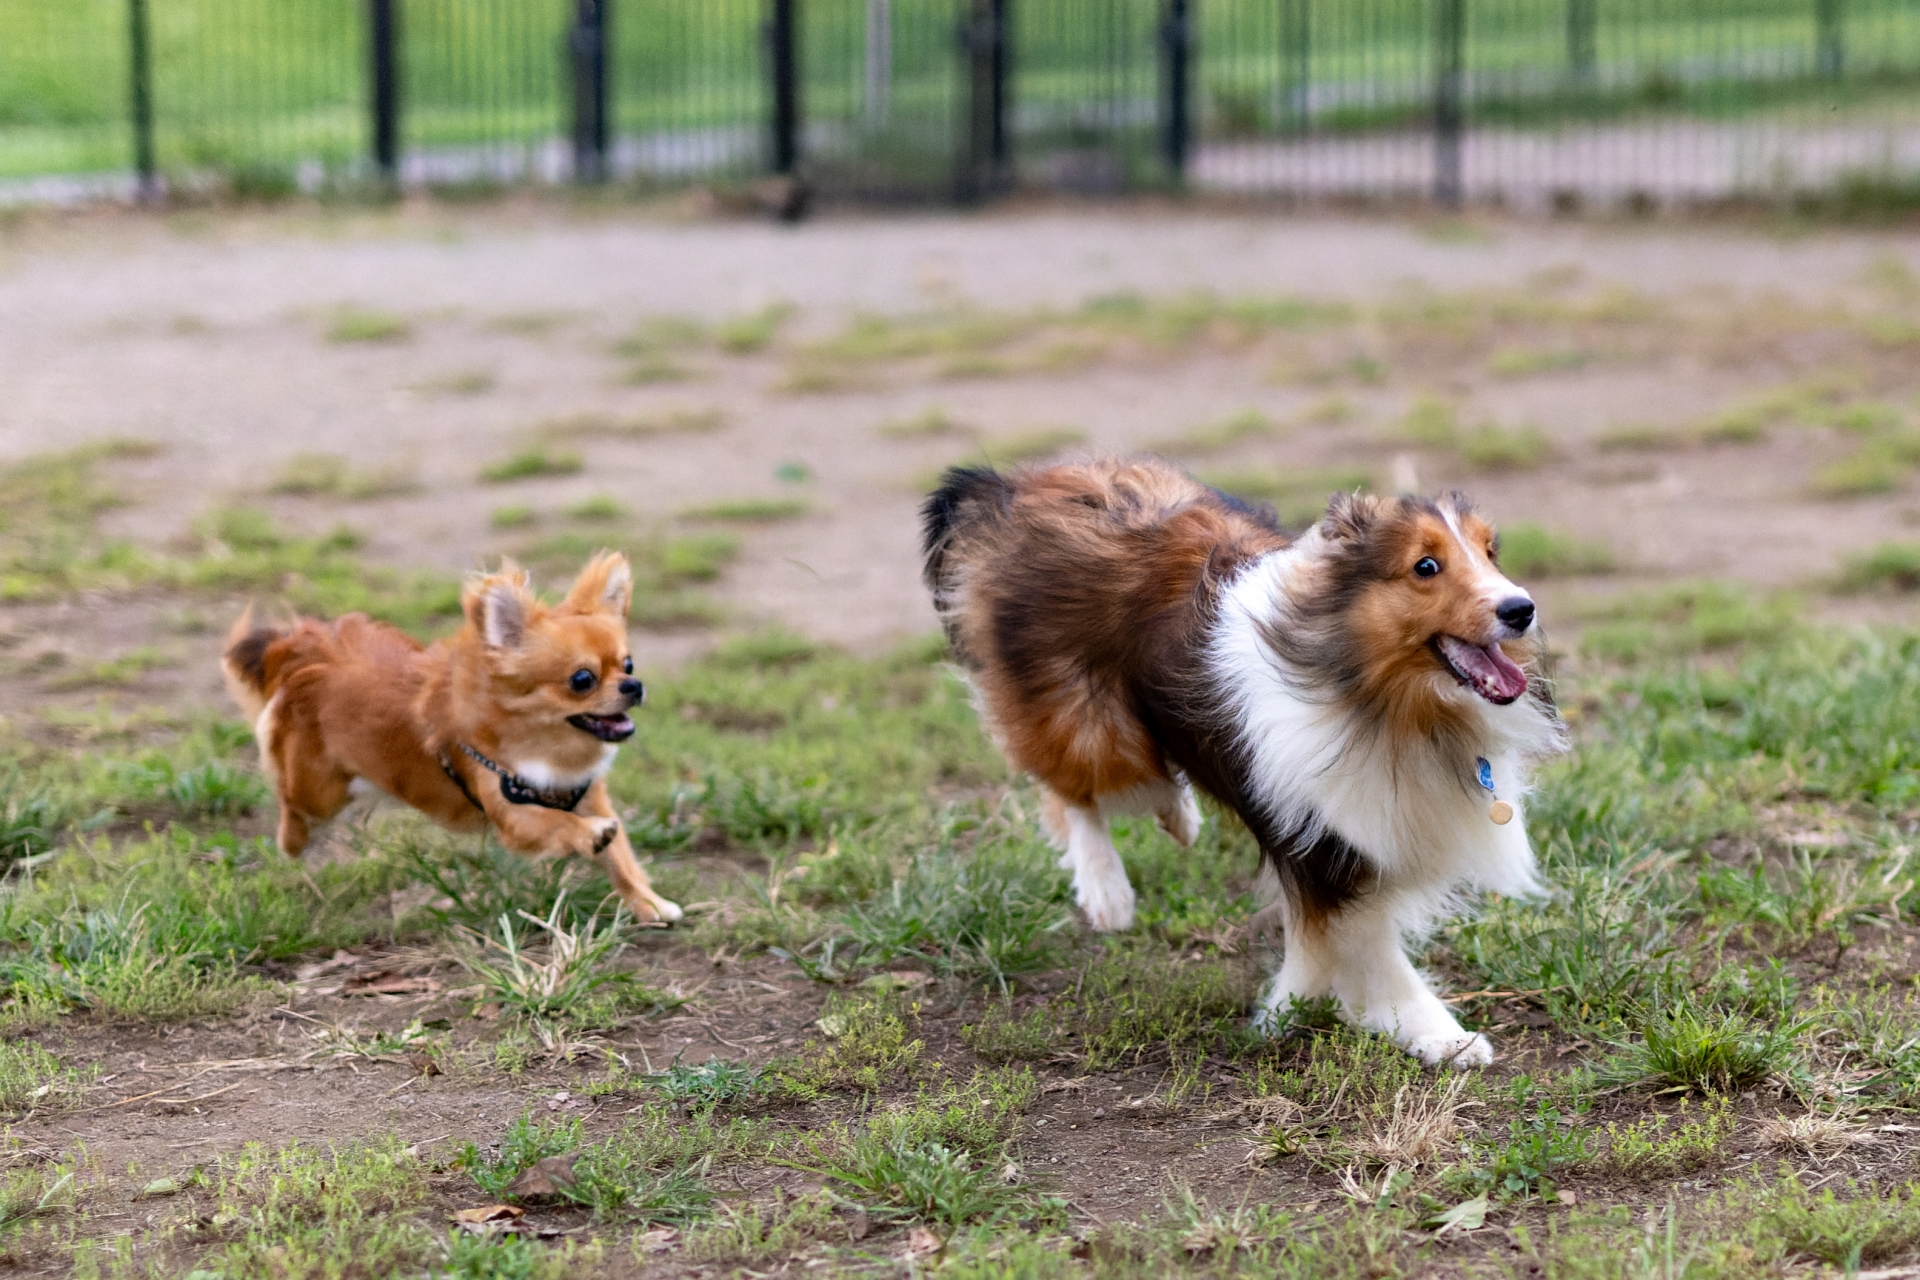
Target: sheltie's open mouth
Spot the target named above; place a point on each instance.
(606, 728)
(1482, 668)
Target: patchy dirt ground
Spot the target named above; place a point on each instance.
(1669, 395)
(209, 334)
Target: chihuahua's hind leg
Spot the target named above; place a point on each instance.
(310, 787)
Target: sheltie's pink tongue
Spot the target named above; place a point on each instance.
(1487, 671)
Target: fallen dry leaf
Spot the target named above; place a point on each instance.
(921, 1242)
(339, 960)
(858, 1225)
(388, 983)
(548, 1177)
(490, 1213)
(659, 1240)
(423, 1063)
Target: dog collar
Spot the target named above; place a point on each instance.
(515, 788)
(1500, 811)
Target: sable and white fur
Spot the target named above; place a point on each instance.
(1131, 633)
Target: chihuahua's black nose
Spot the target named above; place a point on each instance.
(1515, 611)
(636, 693)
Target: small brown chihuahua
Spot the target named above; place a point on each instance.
(514, 720)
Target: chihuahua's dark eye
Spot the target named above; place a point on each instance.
(627, 666)
(582, 681)
(1425, 567)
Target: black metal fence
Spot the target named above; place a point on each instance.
(1519, 100)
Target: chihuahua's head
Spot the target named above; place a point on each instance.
(556, 683)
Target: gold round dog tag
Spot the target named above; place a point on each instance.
(1501, 812)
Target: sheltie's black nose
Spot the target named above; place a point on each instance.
(1516, 612)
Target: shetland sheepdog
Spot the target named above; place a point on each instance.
(1365, 697)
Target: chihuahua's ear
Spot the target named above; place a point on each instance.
(498, 605)
(604, 586)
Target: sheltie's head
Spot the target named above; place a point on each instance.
(1408, 606)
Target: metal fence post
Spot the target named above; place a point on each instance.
(1296, 65)
(587, 42)
(1583, 46)
(140, 102)
(383, 28)
(1449, 57)
(785, 65)
(1176, 54)
(982, 162)
(1830, 50)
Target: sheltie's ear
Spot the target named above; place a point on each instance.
(1350, 516)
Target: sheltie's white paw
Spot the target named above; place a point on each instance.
(1457, 1049)
(1107, 899)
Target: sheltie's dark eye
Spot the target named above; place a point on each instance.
(582, 681)
(1425, 567)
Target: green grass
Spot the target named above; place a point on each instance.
(330, 475)
(352, 325)
(1532, 551)
(1727, 849)
(1891, 566)
(1496, 448)
(1298, 497)
(1238, 428)
(1684, 619)
(672, 422)
(533, 463)
(748, 510)
(599, 508)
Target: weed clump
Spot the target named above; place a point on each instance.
(1870, 1225)
(1706, 1051)
(1662, 1146)
(1134, 1002)
(866, 1045)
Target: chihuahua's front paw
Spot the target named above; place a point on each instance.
(649, 907)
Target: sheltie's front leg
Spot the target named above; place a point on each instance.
(1379, 988)
(1357, 955)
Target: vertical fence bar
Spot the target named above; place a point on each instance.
(1583, 45)
(982, 163)
(784, 63)
(1830, 50)
(383, 30)
(140, 101)
(587, 43)
(1296, 66)
(1449, 58)
(1176, 63)
(876, 99)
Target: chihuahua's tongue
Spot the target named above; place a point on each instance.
(606, 728)
(1485, 669)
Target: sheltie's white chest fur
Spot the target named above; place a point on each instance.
(1315, 762)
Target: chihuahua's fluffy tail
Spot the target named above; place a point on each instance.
(251, 662)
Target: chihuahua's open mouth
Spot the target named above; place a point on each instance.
(1482, 668)
(617, 728)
